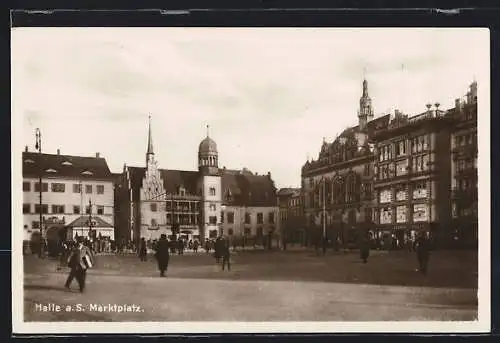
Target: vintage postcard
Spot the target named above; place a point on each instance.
(197, 180)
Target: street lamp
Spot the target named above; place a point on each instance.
(38, 146)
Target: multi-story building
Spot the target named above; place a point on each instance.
(194, 204)
(412, 183)
(291, 216)
(77, 195)
(337, 187)
(464, 176)
(415, 176)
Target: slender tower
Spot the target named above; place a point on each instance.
(365, 112)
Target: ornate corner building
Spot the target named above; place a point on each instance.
(196, 205)
(397, 175)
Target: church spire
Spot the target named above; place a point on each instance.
(365, 112)
(150, 140)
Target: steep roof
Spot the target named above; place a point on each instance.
(65, 166)
(83, 221)
(239, 188)
(245, 189)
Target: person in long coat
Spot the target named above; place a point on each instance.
(224, 253)
(364, 248)
(77, 264)
(422, 247)
(162, 254)
(143, 250)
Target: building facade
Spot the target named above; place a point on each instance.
(194, 204)
(291, 216)
(77, 196)
(464, 174)
(337, 186)
(421, 162)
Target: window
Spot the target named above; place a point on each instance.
(212, 191)
(230, 217)
(154, 222)
(271, 217)
(45, 187)
(401, 214)
(88, 189)
(154, 207)
(248, 231)
(385, 196)
(58, 187)
(100, 189)
(45, 209)
(248, 219)
(58, 209)
(230, 232)
(100, 210)
(260, 218)
(26, 186)
(212, 220)
(26, 208)
(400, 148)
(420, 190)
(311, 183)
(76, 209)
(212, 207)
(402, 168)
(77, 188)
(401, 194)
(384, 171)
(420, 212)
(420, 163)
(386, 215)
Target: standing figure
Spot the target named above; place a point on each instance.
(324, 245)
(79, 260)
(364, 249)
(422, 247)
(225, 253)
(217, 249)
(162, 254)
(195, 246)
(143, 250)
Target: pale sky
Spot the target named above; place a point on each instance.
(269, 95)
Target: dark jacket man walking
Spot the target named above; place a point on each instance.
(225, 254)
(78, 261)
(143, 250)
(162, 254)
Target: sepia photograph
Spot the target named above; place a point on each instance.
(250, 180)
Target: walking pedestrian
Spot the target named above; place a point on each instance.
(143, 250)
(364, 249)
(422, 247)
(162, 254)
(79, 261)
(225, 254)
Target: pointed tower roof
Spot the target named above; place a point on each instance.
(150, 139)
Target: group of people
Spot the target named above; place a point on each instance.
(421, 245)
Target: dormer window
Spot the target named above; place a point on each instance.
(87, 172)
(50, 170)
(67, 163)
(29, 161)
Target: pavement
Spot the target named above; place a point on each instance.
(261, 286)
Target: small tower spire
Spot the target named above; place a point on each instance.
(150, 138)
(208, 130)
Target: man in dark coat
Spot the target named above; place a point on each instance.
(162, 254)
(224, 253)
(364, 248)
(217, 249)
(422, 247)
(77, 264)
(143, 250)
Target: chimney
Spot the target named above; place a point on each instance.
(97, 155)
(26, 148)
(457, 104)
(269, 174)
(59, 151)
